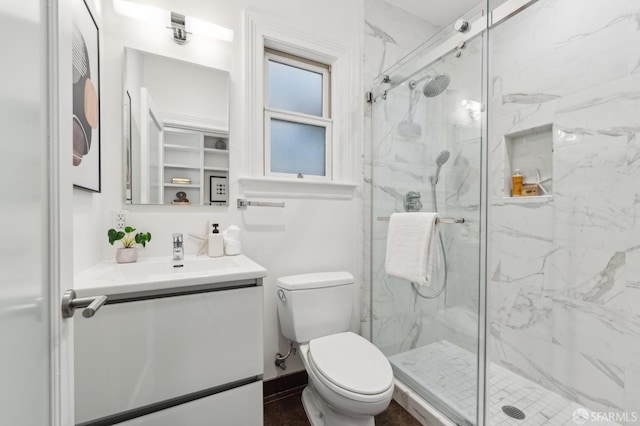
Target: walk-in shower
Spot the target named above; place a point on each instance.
(532, 318)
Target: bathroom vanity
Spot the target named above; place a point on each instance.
(171, 345)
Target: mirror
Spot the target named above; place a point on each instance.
(176, 131)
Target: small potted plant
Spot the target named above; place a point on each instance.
(128, 253)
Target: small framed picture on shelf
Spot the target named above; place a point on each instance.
(218, 189)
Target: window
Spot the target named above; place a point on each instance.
(297, 122)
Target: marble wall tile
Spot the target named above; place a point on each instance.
(632, 394)
(569, 320)
(587, 380)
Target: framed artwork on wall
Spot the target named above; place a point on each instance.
(86, 98)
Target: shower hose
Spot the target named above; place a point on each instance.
(444, 257)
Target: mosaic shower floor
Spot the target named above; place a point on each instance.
(448, 372)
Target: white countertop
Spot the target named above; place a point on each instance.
(158, 273)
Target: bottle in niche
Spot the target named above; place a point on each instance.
(516, 183)
(216, 244)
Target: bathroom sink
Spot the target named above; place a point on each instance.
(158, 273)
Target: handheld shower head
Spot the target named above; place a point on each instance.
(442, 158)
(436, 85)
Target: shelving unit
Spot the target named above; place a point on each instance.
(192, 154)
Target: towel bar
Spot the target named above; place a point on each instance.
(243, 204)
(446, 220)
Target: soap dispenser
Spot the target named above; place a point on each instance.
(216, 245)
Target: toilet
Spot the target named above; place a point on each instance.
(350, 380)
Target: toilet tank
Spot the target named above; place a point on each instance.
(315, 305)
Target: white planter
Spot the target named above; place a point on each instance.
(126, 255)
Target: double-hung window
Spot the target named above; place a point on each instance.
(297, 120)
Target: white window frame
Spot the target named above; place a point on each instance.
(347, 108)
(324, 121)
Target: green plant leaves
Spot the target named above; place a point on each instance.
(114, 235)
(128, 241)
(143, 238)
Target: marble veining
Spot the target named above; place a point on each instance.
(563, 286)
(528, 98)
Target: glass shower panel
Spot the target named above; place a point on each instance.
(563, 292)
(427, 133)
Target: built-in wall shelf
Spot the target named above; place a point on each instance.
(181, 148)
(531, 152)
(180, 185)
(180, 166)
(528, 199)
(198, 156)
(217, 151)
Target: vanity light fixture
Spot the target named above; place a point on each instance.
(181, 26)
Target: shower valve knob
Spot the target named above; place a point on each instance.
(461, 25)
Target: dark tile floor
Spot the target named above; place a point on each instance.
(288, 411)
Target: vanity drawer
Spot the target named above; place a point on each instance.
(236, 407)
(132, 354)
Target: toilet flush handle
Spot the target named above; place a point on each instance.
(281, 295)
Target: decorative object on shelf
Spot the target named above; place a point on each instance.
(181, 181)
(218, 190)
(128, 253)
(529, 189)
(516, 183)
(86, 98)
(540, 181)
(181, 198)
(220, 144)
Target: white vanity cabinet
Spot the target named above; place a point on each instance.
(190, 355)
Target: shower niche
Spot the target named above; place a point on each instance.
(530, 152)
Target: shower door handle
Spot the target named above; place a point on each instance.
(90, 304)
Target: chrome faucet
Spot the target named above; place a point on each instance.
(178, 251)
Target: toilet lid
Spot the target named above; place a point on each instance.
(352, 363)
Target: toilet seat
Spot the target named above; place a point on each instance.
(351, 366)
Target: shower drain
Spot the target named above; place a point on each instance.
(514, 412)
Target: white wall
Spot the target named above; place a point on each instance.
(308, 235)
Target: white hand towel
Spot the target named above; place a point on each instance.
(231, 241)
(412, 250)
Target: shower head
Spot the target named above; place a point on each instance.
(442, 158)
(436, 85)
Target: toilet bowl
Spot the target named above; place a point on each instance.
(350, 380)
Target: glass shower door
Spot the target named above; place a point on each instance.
(427, 133)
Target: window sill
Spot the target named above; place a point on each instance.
(299, 188)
